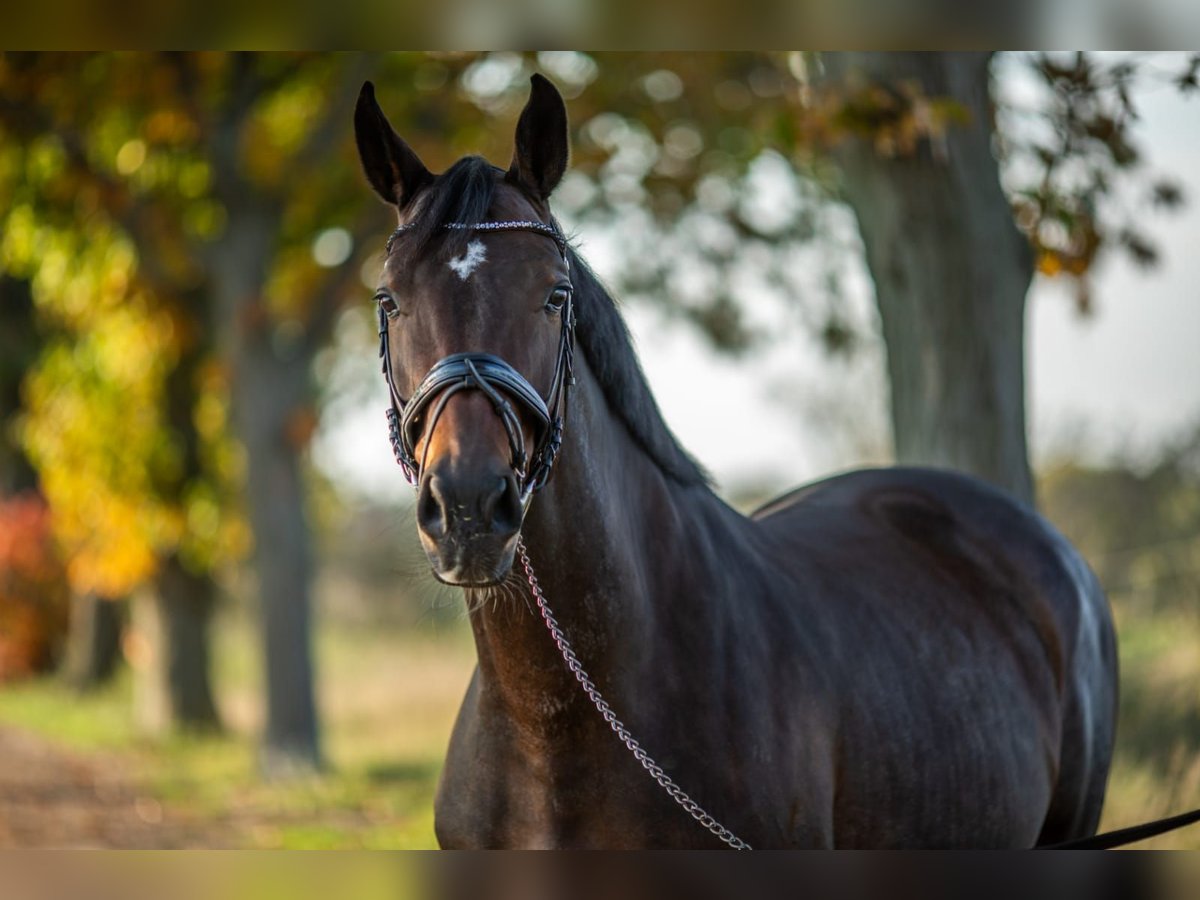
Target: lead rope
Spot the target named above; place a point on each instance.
(674, 791)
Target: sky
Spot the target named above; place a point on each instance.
(1118, 383)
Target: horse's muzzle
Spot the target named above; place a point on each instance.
(468, 523)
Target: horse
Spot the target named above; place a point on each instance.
(888, 658)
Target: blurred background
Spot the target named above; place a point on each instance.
(216, 628)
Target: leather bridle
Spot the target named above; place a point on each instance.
(495, 378)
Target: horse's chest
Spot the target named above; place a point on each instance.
(500, 788)
(498, 794)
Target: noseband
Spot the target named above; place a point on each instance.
(495, 378)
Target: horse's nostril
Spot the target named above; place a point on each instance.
(431, 509)
(488, 504)
(506, 511)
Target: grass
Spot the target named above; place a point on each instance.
(388, 700)
(1156, 771)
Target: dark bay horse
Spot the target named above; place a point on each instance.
(888, 658)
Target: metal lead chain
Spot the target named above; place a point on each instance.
(674, 791)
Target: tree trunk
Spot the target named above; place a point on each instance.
(951, 272)
(267, 395)
(184, 599)
(271, 397)
(93, 641)
(173, 690)
(20, 345)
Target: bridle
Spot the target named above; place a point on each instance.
(495, 378)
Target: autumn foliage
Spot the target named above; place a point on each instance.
(33, 588)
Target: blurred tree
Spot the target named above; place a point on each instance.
(93, 651)
(1138, 524)
(189, 189)
(952, 256)
(20, 343)
(195, 221)
(214, 203)
(33, 597)
(33, 588)
(93, 423)
(93, 645)
(959, 192)
(951, 269)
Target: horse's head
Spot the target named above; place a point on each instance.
(476, 329)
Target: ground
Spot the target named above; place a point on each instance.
(75, 770)
(51, 797)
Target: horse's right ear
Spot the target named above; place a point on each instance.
(393, 169)
(542, 148)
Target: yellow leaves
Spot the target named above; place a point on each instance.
(132, 346)
(169, 126)
(1065, 245)
(106, 539)
(18, 239)
(1049, 264)
(897, 118)
(213, 530)
(280, 127)
(292, 282)
(194, 179)
(131, 156)
(127, 478)
(46, 159)
(205, 219)
(203, 516)
(211, 415)
(78, 275)
(93, 426)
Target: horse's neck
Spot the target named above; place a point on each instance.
(618, 550)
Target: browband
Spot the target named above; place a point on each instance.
(550, 231)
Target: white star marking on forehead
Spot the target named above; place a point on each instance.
(464, 265)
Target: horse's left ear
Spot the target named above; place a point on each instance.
(542, 148)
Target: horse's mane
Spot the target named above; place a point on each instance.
(463, 194)
(603, 337)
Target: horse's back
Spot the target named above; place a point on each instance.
(955, 570)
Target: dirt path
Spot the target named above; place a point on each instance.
(50, 797)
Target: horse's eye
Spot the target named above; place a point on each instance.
(558, 298)
(388, 304)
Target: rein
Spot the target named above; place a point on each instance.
(653, 769)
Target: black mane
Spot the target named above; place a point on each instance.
(463, 194)
(603, 337)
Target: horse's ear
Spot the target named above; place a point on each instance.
(393, 169)
(540, 157)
